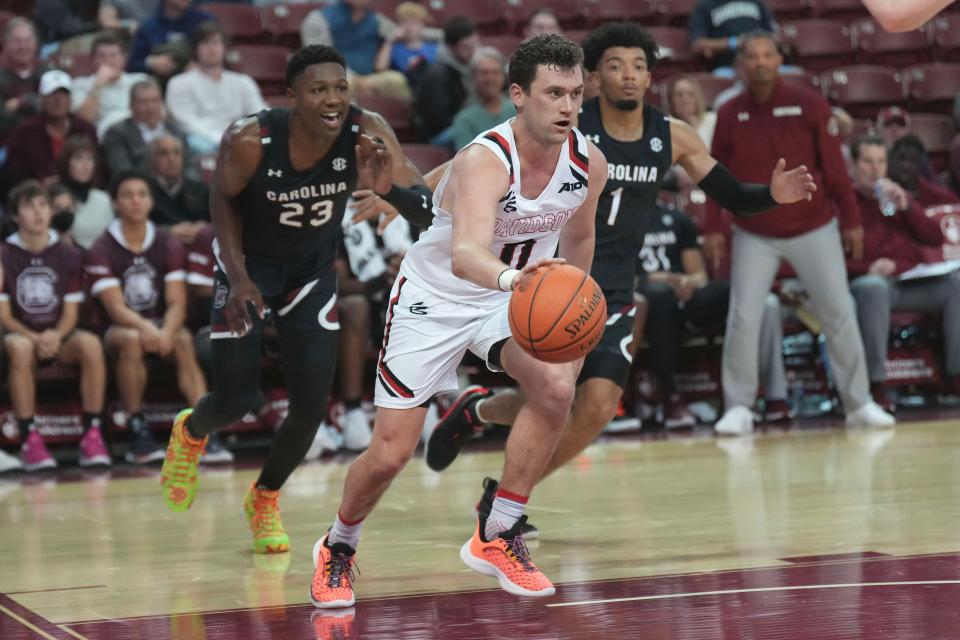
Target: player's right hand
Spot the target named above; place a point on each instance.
(242, 296)
(150, 337)
(523, 278)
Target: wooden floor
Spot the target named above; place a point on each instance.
(101, 557)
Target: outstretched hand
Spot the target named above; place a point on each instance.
(374, 164)
(791, 186)
(522, 281)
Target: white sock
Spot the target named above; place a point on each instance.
(507, 509)
(476, 411)
(345, 532)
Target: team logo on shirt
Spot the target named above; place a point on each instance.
(36, 289)
(139, 292)
(592, 137)
(570, 186)
(275, 173)
(339, 164)
(220, 296)
(656, 144)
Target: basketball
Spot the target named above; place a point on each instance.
(559, 314)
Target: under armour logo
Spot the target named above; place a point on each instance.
(339, 164)
(418, 309)
(274, 173)
(743, 116)
(594, 138)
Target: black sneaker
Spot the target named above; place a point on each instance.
(483, 508)
(214, 452)
(143, 450)
(455, 427)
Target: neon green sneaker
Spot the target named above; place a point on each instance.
(178, 477)
(262, 511)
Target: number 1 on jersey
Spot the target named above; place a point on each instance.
(526, 248)
(614, 206)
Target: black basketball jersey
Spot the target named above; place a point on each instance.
(635, 171)
(289, 213)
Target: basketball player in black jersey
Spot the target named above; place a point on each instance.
(279, 193)
(640, 144)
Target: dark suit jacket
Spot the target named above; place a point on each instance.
(190, 204)
(124, 147)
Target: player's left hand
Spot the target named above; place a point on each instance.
(791, 186)
(367, 205)
(374, 164)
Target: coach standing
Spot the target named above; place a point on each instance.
(769, 121)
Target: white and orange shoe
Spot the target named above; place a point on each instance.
(332, 586)
(508, 560)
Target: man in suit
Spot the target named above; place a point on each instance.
(126, 144)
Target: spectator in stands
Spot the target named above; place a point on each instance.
(180, 204)
(355, 29)
(770, 121)
(129, 14)
(36, 142)
(896, 229)
(77, 171)
(137, 272)
(905, 168)
(58, 20)
(405, 49)
(541, 21)
(161, 44)
(686, 102)
(681, 300)
(893, 123)
(488, 70)
(716, 27)
(445, 86)
(208, 97)
(39, 308)
(20, 73)
(104, 97)
(125, 143)
(64, 207)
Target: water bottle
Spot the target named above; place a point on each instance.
(887, 206)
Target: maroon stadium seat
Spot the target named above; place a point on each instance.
(878, 46)
(426, 156)
(937, 131)
(600, 11)
(484, 13)
(790, 9)
(711, 86)
(675, 13)
(655, 95)
(504, 43)
(675, 54)
(240, 22)
(932, 87)
(945, 32)
(803, 79)
(577, 35)
(819, 44)
(267, 64)
(862, 89)
(283, 22)
(845, 10)
(397, 113)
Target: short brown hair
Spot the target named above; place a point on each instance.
(24, 192)
(203, 32)
(549, 50)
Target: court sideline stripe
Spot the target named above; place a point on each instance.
(31, 620)
(725, 592)
(72, 632)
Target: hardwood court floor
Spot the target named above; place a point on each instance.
(806, 533)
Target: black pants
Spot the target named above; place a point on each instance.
(669, 321)
(307, 328)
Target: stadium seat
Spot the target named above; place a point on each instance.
(803, 79)
(845, 10)
(240, 22)
(711, 86)
(932, 87)
(426, 156)
(945, 33)
(819, 44)
(577, 35)
(76, 64)
(936, 131)
(484, 13)
(675, 13)
(283, 22)
(397, 113)
(862, 89)
(600, 11)
(878, 46)
(675, 54)
(655, 95)
(504, 43)
(266, 64)
(861, 127)
(790, 9)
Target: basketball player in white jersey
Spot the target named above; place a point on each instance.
(511, 200)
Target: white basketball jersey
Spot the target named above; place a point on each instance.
(524, 231)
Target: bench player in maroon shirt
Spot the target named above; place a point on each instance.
(137, 273)
(39, 307)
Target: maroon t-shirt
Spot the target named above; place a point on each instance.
(140, 276)
(37, 284)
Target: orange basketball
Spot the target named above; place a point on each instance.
(559, 315)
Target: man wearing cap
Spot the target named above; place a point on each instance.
(892, 124)
(36, 142)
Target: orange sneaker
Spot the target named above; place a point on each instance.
(508, 560)
(332, 585)
(261, 508)
(179, 474)
(333, 624)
